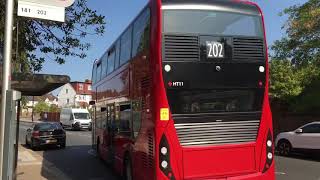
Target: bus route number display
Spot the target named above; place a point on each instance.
(215, 49)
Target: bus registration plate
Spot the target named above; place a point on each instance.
(215, 49)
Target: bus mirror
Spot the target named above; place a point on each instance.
(92, 103)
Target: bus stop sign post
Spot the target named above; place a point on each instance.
(6, 77)
(6, 69)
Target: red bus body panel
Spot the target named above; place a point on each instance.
(142, 79)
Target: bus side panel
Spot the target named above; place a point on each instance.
(143, 149)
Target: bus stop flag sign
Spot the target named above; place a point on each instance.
(44, 9)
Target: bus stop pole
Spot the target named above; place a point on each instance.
(6, 75)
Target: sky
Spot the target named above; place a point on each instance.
(119, 13)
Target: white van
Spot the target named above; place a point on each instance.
(75, 119)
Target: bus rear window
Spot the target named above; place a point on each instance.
(207, 22)
(214, 101)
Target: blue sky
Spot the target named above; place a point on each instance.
(120, 12)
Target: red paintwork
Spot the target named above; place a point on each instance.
(234, 162)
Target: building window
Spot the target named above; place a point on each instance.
(68, 101)
(67, 91)
(89, 87)
(80, 87)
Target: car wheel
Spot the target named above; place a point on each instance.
(284, 148)
(127, 170)
(32, 146)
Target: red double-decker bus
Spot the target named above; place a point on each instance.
(183, 94)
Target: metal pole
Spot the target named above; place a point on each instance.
(17, 139)
(32, 108)
(6, 74)
(17, 47)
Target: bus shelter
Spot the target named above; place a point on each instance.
(22, 85)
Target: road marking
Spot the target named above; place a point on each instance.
(29, 163)
(25, 156)
(92, 152)
(280, 173)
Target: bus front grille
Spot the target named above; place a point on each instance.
(181, 48)
(217, 133)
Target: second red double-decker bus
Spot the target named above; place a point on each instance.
(183, 94)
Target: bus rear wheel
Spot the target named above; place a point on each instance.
(127, 170)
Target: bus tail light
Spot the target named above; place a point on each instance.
(269, 151)
(164, 158)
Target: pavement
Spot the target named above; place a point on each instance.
(32, 166)
(79, 162)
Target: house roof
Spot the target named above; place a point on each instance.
(49, 96)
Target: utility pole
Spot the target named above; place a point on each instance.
(6, 75)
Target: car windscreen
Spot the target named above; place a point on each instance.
(210, 22)
(46, 126)
(214, 101)
(81, 116)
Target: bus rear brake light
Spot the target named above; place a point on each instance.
(269, 152)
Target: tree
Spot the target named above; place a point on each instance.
(284, 80)
(41, 106)
(24, 102)
(41, 40)
(288, 81)
(295, 64)
(54, 108)
(302, 43)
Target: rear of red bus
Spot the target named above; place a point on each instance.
(213, 119)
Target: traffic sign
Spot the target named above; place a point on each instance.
(34, 10)
(59, 3)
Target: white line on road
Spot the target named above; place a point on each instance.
(281, 173)
(29, 163)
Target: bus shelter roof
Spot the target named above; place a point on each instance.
(37, 84)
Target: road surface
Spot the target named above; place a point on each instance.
(78, 161)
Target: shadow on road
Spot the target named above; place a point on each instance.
(309, 156)
(75, 163)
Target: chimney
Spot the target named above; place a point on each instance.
(88, 81)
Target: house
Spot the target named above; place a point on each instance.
(75, 94)
(31, 101)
